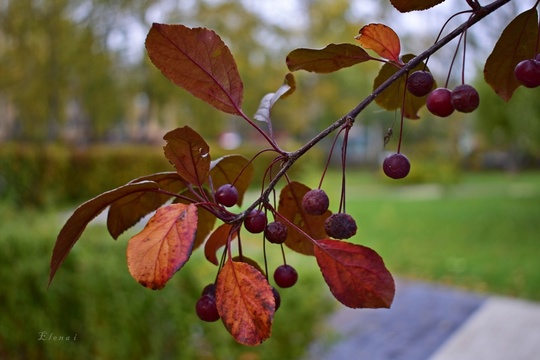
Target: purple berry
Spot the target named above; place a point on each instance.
(396, 166)
(420, 83)
(527, 72)
(206, 309)
(315, 202)
(255, 222)
(285, 276)
(276, 232)
(465, 98)
(227, 195)
(340, 226)
(439, 102)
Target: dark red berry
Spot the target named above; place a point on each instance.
(277, 298)
(315, 202)
(276, 232)
(340, 226)
(210, 290)
(206, 308)
(439, 102)
(227, 195)
(420, 83)
(465, 98)
(285, 276)
(396, 166)
(255, 222)
(527, 72)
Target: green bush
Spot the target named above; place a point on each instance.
(107, 315)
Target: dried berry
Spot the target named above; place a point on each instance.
(340, 226)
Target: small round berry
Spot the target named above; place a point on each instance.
(277, 298)
(396, 166)
(285, 276)
(227, 195)
(276, 232)
(527, 72)
(439, 102)
(255, 222)
(315, 202)
(340, 226)
(465, 98)
(206, 309)
(420, 83)
(209, 290)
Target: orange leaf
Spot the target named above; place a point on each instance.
(163, 246)
(217, 239)
(412, 5)
(197, 60)
(189, 154)
(232, 168)
(127, 211)
(75, 225)
(392, 97)
(290, 207)
(381, 39)
(517, 43)
(245, 303)
(205, 219)
(332, 58)
(355, 274)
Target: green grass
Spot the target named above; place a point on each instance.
(480, 234)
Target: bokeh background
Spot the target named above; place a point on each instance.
(82, 111)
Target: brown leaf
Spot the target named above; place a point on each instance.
(332, 58)
(392, 97)
(290, 207)
(245, 303)
(163, 246)
(197, 60)
(226, 170)
(217, 239)
(127, 211)
(189, 154)
(381, 39)
(411, 5)
(517, 42)
(268, 101)
(75, 225)
(356, 274)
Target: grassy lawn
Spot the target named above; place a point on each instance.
(479, 234)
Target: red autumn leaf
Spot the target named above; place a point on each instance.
(189, 154)
(381, 39)
(392, 97)
(332, 58)
(230, 169)
(290, 207)
(75, 225)
(355, 274)
(205, 219)
(245, 303)
(517, 42)
(127, 211)
(268, 101)
(197, 60)
(412, 5)
(217, 239)
(163, 246)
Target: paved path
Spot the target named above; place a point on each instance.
(437, 323)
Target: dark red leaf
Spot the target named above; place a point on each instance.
(127, 211)
(189, 154)
(392, 97)
(290, 207)
(217, 239)
(163, 246)
(231, 169)
(245, 303)
(75, 225)
(411, 5)
(381, 39)
(517, 42)
(355, 274)
(332, 58)
(197, 60)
